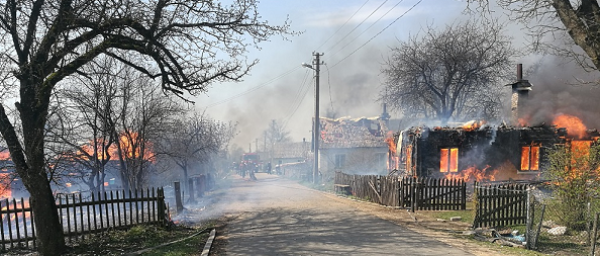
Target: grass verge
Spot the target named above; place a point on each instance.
(123, 242)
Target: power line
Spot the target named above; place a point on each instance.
(371, 39)
(367, 29)
(252, 89)
(297, 95)
(289, 117)
(340, 28)
(363, 21)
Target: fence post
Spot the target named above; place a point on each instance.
(178, 201)
(191, 191)
(162, 216)
(539, 228)
(476, 204)
(529, 221)
(595, 233)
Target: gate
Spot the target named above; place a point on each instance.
(500, 205)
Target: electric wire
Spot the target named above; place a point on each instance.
(297, 105)
(367, 29)
(363, 21)
(379, 33)
(291, 107)
(340, 28)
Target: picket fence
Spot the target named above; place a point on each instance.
(81, 217)
(407, 192)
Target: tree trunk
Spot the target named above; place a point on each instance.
(48, 228)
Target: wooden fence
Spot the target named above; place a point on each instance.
(407, 192)
(81, 218)
(500, 205)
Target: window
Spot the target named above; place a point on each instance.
(449, 160)
(340, 161)
(530, 158)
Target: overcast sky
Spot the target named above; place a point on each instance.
(355, 42)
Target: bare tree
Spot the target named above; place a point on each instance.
(551, 21)
(191, 143)
(147, 115)
(88, 117)
(456, 73)
(186, 44)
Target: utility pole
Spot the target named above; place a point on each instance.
(316, 134)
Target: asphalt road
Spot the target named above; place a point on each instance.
(276, 216)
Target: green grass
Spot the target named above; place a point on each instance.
(119, 242)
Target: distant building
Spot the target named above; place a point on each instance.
(353, 145)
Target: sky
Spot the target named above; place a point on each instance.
(354, 38)
(354, 41)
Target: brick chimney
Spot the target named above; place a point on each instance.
(520, 93)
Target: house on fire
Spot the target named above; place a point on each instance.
(353, 145)
(480, 151)
(504, 152)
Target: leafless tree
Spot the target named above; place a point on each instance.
(196, 139)
(187, 45)
(87, 118)
(147, 115)
(275, 133)
(455, 73)
(550, 22)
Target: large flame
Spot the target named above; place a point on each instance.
(99, 145)
(132, 146)
(474, 174)
(393, 159)
(573, 124)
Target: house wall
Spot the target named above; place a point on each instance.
(366, 160)
(492, 148)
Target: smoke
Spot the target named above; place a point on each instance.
(558, 88)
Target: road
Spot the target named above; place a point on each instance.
(276, 216)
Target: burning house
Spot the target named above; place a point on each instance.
(354, 146)
(486, 152)
(478, 151)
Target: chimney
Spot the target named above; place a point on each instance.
(385, 116)
(519, 95)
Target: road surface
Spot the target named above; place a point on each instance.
(276, 216)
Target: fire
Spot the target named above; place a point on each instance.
(472, 125)
(132, 146)
(99, 148)
(580, 149)
(390, 142)
(449, 160)
(393, 159)
(4, 155)
(573, 124)
(5, 190)
(474, 174)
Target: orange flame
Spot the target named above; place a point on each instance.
(4, 155)
(573, 124)
(5, 190)
(474, 174)
(472, 125)
(89, 149)
(132, 146)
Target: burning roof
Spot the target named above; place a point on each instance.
(346, 132)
